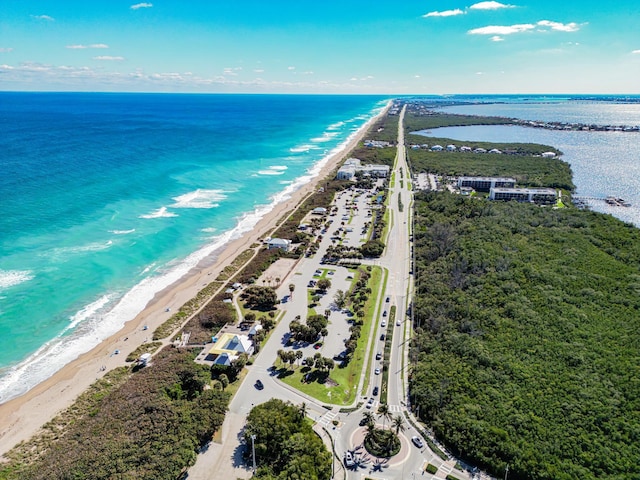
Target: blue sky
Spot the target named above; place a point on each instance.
(299, 46)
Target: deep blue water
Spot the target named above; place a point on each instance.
(105, 199)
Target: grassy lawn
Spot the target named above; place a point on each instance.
(365, 385)
(346, 378)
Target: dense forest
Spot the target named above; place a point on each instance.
(149, 427)
(286, 446)
(527, 346)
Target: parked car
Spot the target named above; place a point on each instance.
(348, 459)
(388, 299)
(417, 441)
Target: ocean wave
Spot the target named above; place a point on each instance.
(199, 198)
(122, 232)
(326, 137)
(88, 311)
(62, 253)
(162, 212)
(335, 126)
(301, 148)
(11, 278)
(273, 170)
(209, 230)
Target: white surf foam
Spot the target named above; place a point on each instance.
(88, 311)
(326, 136)
(63, 253)
(335, 126)
(11, 278)
(160, 213)
(199, 198)
(122, 232)
(269, 172)
(300, 149)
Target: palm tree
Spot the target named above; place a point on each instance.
(368, 417)
(292, 287)
(299, 355)
(398, 423)
(384, 413)
(302, 410)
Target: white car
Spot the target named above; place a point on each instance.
(377, 371)
(383, 324)
(417, 441)
(398, 323)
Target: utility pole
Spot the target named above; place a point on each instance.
(253, 452)
(506, 472)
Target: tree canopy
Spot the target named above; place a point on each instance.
(286, 446)
(527, 337)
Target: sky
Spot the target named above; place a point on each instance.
(329, 46)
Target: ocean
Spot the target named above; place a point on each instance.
(603, 163)
(106, 199)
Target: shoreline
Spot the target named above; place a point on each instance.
(24, 415)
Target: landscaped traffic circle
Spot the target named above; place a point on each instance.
(381, 443)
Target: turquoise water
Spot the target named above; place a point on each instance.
(106, 199)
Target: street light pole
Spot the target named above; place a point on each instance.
(253, 452)
(506, 472)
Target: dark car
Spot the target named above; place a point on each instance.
(375, 391)
(382, 337)
(259, 385)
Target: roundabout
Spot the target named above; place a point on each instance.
(357, 445)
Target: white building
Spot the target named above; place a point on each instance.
(532, 195)
(281, 243)
(348, 170)
(485, 184)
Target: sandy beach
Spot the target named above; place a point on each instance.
(22, 417)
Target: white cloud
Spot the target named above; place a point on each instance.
(497, 38)
(6, 49)
(445, 13)
(502, 29)
(489, 6)
(108, 58)
(416, 76)
(141, 5)
(560, 27)
(231, 71)
(259, 70)
(636, 52)
(479, 73)
(291, 68)
(44, 17)
(82, 47)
